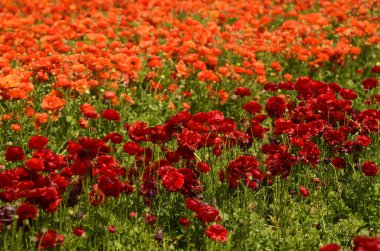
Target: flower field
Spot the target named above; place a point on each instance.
(190, 125)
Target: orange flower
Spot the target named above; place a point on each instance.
(54, 101)
(223, 96)
(276, 66)
(288, 76)
(186, 106)
(83, 123)
(16, 127)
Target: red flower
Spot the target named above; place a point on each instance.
(370, 83)
(275, 107)
(207, 213)
(173, 181)
(78, 231)
(348, 93)
(190, 139)
(138, 131)
(37, 142)
(304, 191)
(50, 239)
(35, 164)
(217, 232)
(364, 243)
(110, 186)
(333, 137)
(338, 162)
(252, 107)
(151, 219)
(132, 148)
(242, 91)
(26, 211)
(111, 114)
(376, 69)
(184, 222)
(115, 138)
(370, 169)
(111, 229)
(14, 153)
(330, 247)
(203, 167)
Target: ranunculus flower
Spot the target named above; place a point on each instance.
(203, 167)
(242, 91)
(111, 229)
(37, 142)
(49, 239)
(78, 231)
(14, 153)
(370, 83)
(304, 191)
(26, 211)
(348, 93)
(275, 107)
(365, 243)
(217, 233)
(370, 169)
(252, 107)
(173, 181)
(111, 114)
(35, 164)
(330, 247)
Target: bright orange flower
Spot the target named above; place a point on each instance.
(54, 101)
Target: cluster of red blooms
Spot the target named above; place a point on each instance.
(361, 243)
(323, 112)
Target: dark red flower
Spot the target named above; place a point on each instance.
(111, 114)
(207, 213)
(370, 83)
(203, 167)
(242, 91)
(110, 186)
(333, 137)
(376, 69)
(26, 211)
(114, 137)
(370, 169)
(348, 93)
(271, 87)
(275, 107)
(217, 233)
(252, 107)
(150, 219)
(364, 243)
(14, 153)
(138, 131)
(330, 247)
(49, 239)
(37, 142)
(190, 139)
(132, 148)
(338, 162)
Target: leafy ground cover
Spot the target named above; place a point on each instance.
(189, 125)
